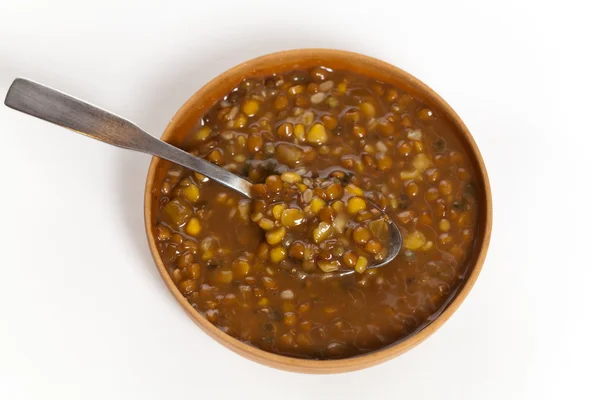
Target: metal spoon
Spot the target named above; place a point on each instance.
(66, 111)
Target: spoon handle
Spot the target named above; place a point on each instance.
(71, 113)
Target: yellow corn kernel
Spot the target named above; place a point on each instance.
(410, 175)
(355, 190)
(328, 266)
(241, 140)
(302, 186)
(359, 167)
(290, 177)
(317, 134)
(187, 286)
(239, 123)
(369, 149)
(444, 225)
(361, 235)
(427, 246)
(266, 224)
(163, 233)
(250, 107)
(275, 235)
(316, 204)
(207, 255)
(277, 254)
(292, 217)
(342, 87)
(338, 206)
(350, 258)
(414, 240)
(361, 264)
(296, 90)
(324, 150)
(256, 217)
(193, 227)
(277, 210)
(308, 118)
(356, 205)
(300, 132)
(421, 162)
(191, 193)
(241, 268)
(203, 133)
(368, 109)
(263, 302)
(223, 276)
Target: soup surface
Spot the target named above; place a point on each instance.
(319, 145)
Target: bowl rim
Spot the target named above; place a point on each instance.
(311, 365)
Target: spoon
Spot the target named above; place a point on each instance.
(66, 111)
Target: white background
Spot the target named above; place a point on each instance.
(85, 315)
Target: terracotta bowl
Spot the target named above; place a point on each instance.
(213, 91)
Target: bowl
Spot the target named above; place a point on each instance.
(213, 91)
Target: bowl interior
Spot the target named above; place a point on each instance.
(187, 117)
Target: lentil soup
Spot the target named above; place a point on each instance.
(359, 139)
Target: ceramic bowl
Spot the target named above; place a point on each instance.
(203, 99)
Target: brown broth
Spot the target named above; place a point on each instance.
(402, 153)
